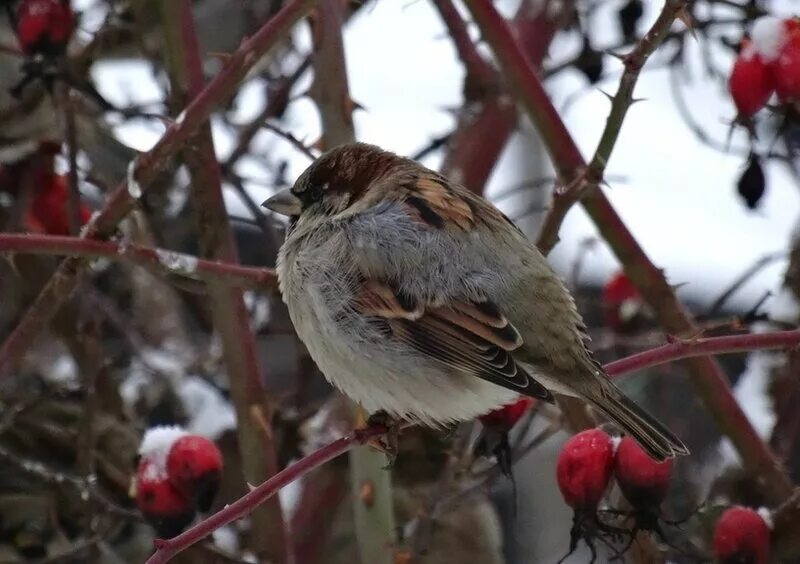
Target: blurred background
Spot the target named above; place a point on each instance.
(713, 203)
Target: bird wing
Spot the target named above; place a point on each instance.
(471, 337)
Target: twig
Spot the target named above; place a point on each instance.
(688, 348)
(144, 170)
(161, 260)
(706, 375)
(752, 270)
(55, 478)
(166, 549)
(229, 314)
(592, 176)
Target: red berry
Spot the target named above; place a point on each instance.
(49, 206)
(194, 466)
(786, 70)
(751, 82)
(507, 416)
(584, 468)
(44, 26)
(621, 301)
(741, 535)
(164, 507)
(643, 480)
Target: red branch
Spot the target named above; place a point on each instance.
(687, 348)
(165, 261)
(166, 549)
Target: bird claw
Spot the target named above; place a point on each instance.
(388, 443)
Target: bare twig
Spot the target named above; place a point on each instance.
(159, 260)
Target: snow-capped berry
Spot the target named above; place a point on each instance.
(194, 467)
(584, 468)
(508, 415)
(165, 508)
(44, 26)
(741, 535)
(622, 302)
(643, 480)
(751, 82)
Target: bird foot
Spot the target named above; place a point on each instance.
(388, 443)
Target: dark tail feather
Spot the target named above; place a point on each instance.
(659, 442)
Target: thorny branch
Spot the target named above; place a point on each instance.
(706, 375)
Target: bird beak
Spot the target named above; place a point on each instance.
(284, 203)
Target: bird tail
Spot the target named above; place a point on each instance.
(659, 442)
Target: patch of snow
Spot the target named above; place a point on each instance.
(227, 539)
(766, 515)
(210, 414)
(290, 496)
(134, 188)
(155, 447)
(177, 262)
(768, 35)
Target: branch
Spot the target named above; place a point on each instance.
(688, 348)
(375, 527)
(166, 549)
(592, 177)
(228, 311)
(162, 260)
(143, 172)
(706, 375)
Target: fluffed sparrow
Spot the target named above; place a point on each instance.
(419, 298)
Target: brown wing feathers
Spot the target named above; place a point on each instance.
(474, 338)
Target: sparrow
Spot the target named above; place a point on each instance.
(420, 299)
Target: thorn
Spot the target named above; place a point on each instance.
(160, 543)
(637, 100)
(616, 55)
(606, 94)
(356, 106)
(250, 487)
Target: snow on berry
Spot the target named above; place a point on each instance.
(155, 447)
(741, 535)
(44, 26)
(768, 35)
(622, 302)
(643, 481)
(751, 82)
(584, 469)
